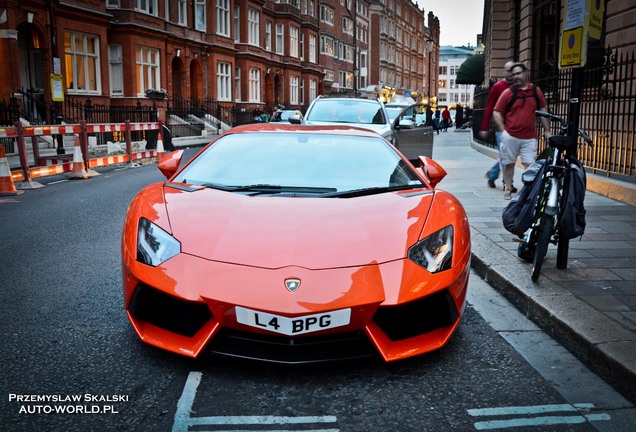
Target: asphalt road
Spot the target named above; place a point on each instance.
(68, 346)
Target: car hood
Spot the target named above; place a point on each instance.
(315, 233)
(382, 129)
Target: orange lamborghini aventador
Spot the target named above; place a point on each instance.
(296, 244)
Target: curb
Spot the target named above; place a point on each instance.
(570, 321)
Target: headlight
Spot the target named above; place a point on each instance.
(154, 245)
(435, 252)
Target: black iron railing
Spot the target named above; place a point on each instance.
(607, 114)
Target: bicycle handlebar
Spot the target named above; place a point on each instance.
(564, 124)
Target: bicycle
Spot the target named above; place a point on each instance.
(550, 203)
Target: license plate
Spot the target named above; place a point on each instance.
(293, 326)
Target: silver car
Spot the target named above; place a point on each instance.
(365, 113)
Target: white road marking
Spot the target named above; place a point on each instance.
(535, 421)
(182, 419)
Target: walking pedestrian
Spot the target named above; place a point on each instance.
(446, 118)
(436, 120)
(515, 118)
(493, 96)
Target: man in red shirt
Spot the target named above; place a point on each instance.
(517, 124)
(493, 96)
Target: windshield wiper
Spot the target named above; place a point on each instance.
(371, 191)
(271, 188)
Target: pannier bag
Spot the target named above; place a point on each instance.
(572, 221)
(517, 215)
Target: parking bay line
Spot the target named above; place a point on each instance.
(182, 419)
(534, 421)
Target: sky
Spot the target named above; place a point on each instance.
(460, 21)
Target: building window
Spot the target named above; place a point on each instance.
(237, 23)
(302, 92)
(326, 15)
(223, 17)
(293, 41)
(280, 39)
(347, 25)
(329, 75)
(115, 70)
(81, 53)
(113, 4)
(302, 46)
(327, 45)
(253, 26)
(312, 48)
(223, 79)
(148, 72)
(199, 15)
(268, 35)
(293, 90)
(182, 12)
(237, 84)
(312, 90)
(346, 79)
(255, 85)
(147, 6)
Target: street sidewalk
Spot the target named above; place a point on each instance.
(590, 307)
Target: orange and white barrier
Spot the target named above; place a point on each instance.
(81, 165)
(79, 170)
(6, 182)
(160, 149)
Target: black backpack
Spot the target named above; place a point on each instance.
(572, 221)
(513, 89)
(517, 215)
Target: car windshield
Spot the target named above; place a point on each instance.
(347, 111)
(307, 163)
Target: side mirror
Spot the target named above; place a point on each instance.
(296, 118)
(432, 170)
(170, 163)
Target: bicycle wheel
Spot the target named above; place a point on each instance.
(545, 231)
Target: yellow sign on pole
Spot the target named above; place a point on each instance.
(57, 88)
(573, 48)
(595, 9)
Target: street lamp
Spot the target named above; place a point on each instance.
(429, 111)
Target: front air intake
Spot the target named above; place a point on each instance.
(168, 312)
(417, 317)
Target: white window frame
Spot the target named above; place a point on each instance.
(293, 90)
(223, 80)
(253, 26)
(312, 90)
(116, 4)
(268, 35)
(312, 48)
(148, 69)
(116, 70)
(280, 39)
(326, 15)
(237, 23)
(146, 6)
(200, 20)
(82, 58)
(182, 12)
(255, 85)
(237, 84)
(293, 41)
(327, 45)
(223, 17)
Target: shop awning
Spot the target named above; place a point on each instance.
(471, 70)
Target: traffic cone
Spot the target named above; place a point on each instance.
(6, 182)
(160, 149)
(79, 171)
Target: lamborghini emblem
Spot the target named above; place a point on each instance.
(292, 284)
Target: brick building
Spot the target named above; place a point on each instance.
(243, 54)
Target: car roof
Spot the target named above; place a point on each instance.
(289, 128)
